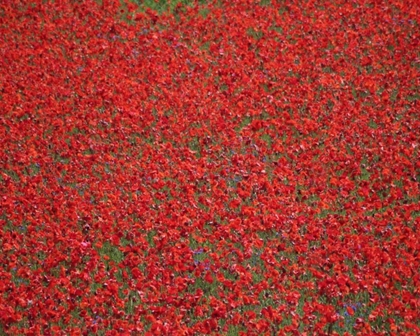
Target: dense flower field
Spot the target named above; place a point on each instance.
(234, 167)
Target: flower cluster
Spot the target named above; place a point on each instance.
(230, 167)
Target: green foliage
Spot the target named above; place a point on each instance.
(162, 6)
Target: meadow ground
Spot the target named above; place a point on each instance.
(209, 167)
